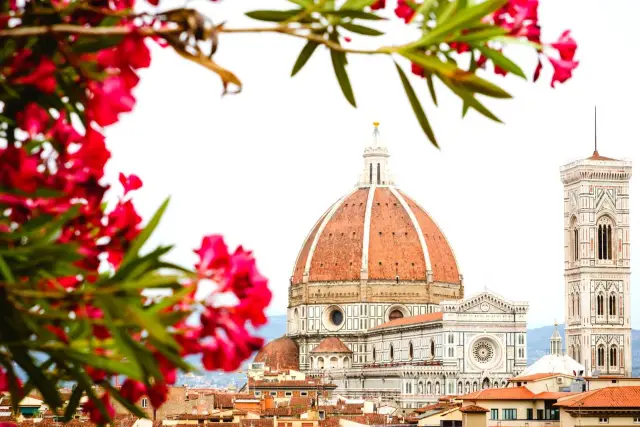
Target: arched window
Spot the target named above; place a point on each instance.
(450, 353)
(410, 351)
(459, 387)
(600, 356)
(437, 387)
(370, 173)
(613, 356)
(475, 386)
(390, 351)
(600, 305)
(420, 388)
(432, 349)
(467, 387)
(320, 363)
(605, 238)
(373, 352)
(333, 363)
(612, 305)
(451, 338)
(345, 362)
(429, 387)
(496, 385)
(486, 384)
(395, 314)
(578, 357)
(576, 245)
(378, 173)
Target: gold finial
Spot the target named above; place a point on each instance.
(376, 124)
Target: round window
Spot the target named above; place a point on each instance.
(483, 352)
(336, 317)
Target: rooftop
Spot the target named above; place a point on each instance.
(608, 397)
(411, 320)
(473, 409)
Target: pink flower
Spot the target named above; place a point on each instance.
(62, 132)
(130, 183)
(213, 254)
(33, 119)
(43, 76)
(19, 170)
(109, 98)
(566, 46)
(347, 39)
(158, 394)
(562, 70)
(95, 416)
(132, 390)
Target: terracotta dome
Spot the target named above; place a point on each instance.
(279, 354)
(376, 233)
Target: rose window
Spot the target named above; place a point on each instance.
(483, 352)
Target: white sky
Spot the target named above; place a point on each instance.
(262, 166)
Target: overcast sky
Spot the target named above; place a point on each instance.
(261, 167)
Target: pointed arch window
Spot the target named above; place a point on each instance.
(432, 349)
(605, 237)
(575, 244)
(370, 173)
(574, 238)
(613, 356)
(600, 356)
(390, 351)
(410, 351)
(612, 305)
(378, 180)
(600, 305)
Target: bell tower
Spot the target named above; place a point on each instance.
(597, 264)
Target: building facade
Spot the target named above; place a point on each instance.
(597, 264)
(376, 303)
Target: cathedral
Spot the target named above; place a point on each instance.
(377, 304)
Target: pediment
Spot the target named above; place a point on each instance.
(485, 302)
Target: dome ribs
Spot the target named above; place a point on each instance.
(298, 272)
(443, 262)
(394, 247)
(338, 253)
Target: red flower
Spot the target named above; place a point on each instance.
(62, 132)
(499, 70)
(347, 39)
(536, 73)
(130, 183)
(132, 390)
(417, 69)
(33, 119)
(124, 221)
(213, 254)
(99, 331)
(95, 416)
(58, 332)
(378, 4)
(158, 394)
(43, 76)
(566, 46)
(4, 380)
(562, 70)
(109, 98)
(404, 11)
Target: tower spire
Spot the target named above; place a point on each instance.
(556, 341)
(376, 162)
(595, 129)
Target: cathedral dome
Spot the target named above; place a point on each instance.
(279, 354)
(377, 233)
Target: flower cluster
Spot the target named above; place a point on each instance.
(52, 166)
(520, 20)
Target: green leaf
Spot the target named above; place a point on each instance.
(459, 21)
(139, 241)
(501, 61)
(469, 100)
(338, 59)
(169, 301)
(432, 89)
(445, 13)
(88, 44)
(6, 271)
(304, 56)
(355, 14)
(469, 80)
(482, 35)
(127, 368)
(423, 9)
(86, 383)
(361, 29)
(74, 402)
(273, 15)
(305, 4)
(417, 108)
(148, 321)
(357, 4)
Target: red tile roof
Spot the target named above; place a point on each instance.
(473, 409)
(262, 422)
(597, 156)
(510, 393)
(608, 397)
(331, 345)
(281, 353)
(553, 395)
(284, 411)
(304, 401)
(411, 320)
(440, 406)
(292, 384)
